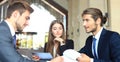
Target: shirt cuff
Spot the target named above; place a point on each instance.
(91, 60)
(62, 43)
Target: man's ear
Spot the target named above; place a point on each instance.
(98, 21)
(16, 14)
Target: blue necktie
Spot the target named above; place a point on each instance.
(14, 40)
(94, 48)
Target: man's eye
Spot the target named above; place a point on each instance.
(27, 18)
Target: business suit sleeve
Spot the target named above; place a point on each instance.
(87, 49)
(115, 47)
(7, 51)
(69, 45)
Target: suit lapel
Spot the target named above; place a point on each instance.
(103, 42)
(103, 45)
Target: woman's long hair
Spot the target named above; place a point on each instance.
(50, 43)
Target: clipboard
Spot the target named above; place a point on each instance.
(43, 55)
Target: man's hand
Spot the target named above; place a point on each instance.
(35, 58)
(58, 59)
(83, 58)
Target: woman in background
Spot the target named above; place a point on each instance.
(57, 42)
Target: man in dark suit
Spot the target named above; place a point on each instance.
(106, 47)
(18, 14)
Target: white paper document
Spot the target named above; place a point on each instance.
(70, 55)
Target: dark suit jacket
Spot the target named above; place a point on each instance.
(7, 51)
(69, 45)
(108, 47)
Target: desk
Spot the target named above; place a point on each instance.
(28, 52)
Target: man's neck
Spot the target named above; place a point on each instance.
(97, 30)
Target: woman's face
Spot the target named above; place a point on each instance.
(57, 30)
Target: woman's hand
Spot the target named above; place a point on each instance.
(59, 40)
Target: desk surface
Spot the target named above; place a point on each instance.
(28, 52)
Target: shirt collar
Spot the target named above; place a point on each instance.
(11, 28)
(97, 36)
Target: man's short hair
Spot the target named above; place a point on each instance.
(20, 6)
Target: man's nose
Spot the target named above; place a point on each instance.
(84, 23)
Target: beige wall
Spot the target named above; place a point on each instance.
(114, 10)
(75, 28)
(73, 23)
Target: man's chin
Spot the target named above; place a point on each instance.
(87, 31)
(19, 30)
